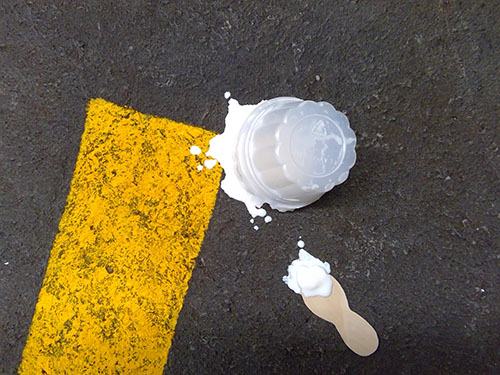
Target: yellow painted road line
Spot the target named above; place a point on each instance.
(119, 268)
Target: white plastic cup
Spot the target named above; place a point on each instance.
(290, 151)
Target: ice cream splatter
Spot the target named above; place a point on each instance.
(268, 219)
(210, 163)
(256, 227)
(222, 147)
(199, 167)
(195, 150)
(301, 244)
(227, 95)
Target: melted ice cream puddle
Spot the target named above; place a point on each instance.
(210, 163)
(195, 150)
(222, 148)
(324, 296)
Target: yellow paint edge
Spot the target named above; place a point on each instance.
(132, 228)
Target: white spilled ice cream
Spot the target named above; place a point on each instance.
(309, 276)
(195, 150)
(222, 148)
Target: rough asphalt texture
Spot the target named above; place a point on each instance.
(412, 235)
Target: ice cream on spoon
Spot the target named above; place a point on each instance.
(324, 296)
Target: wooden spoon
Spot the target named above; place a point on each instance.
(356, 332)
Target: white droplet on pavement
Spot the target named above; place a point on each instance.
(195, 150)
(210, 163)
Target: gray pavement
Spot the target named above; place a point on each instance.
(412, 235)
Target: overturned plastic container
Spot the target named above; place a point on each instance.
(290, 151)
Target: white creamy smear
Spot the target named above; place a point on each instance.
(210, 163)
(222, 148)
(309, 276)
(195, 150)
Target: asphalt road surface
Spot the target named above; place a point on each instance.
(412, 235)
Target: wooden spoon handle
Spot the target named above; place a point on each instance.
(356, 332)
